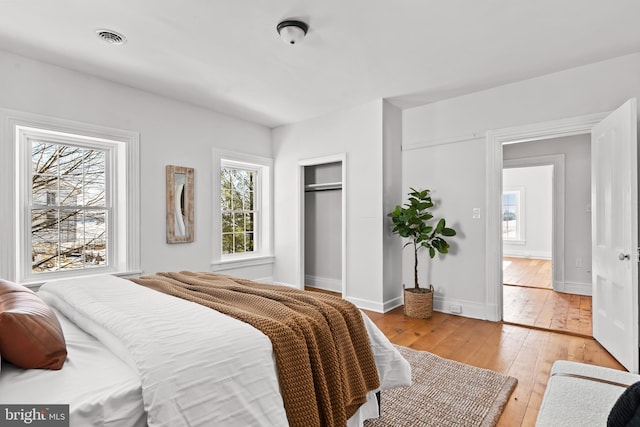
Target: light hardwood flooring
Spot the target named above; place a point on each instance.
(524, 353)
(547, 309)
(532, 301)
(527, 272)
(521, 352)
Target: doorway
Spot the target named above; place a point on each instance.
(527, 236)
(527, 225)
(322, 216)
(614, 261)
(546, 234)
(495, 142)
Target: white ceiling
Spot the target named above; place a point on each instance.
(226, 54)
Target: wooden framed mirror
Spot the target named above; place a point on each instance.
(180, 227)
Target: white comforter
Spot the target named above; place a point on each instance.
(110, 396)
(197, 367)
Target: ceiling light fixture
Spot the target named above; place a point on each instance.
(292, 31)
(111, 37)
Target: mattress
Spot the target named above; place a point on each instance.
(107, 382)
(110, 396)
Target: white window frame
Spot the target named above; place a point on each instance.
(18, 130)
(520, 216)
(263, 220)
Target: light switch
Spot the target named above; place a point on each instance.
(476, 213)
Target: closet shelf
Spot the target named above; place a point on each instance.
(323, 186)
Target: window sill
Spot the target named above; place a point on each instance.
(228, 264)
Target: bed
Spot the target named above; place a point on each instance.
(154, 359)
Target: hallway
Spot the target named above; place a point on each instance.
(529, 300)
(527, 272)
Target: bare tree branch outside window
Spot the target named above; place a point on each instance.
(68, 207)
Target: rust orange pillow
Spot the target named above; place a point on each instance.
(30, 334)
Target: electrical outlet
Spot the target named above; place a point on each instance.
(455, 308)
(476, 213)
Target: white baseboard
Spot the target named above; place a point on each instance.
(527, 254)
(366, 304)
(493, 313)
(578, 288)
(267, 280)
(324, 283)
(471, 309)
(393, 303)
(376, 306)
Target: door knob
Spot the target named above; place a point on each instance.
(622, 256)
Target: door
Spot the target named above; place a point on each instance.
(614, 222)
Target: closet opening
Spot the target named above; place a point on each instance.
(322, 261)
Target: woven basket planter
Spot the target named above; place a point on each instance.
(418, 304)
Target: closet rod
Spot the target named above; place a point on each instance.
(323, 187)
(315, 190)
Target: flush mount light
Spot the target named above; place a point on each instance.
(292, 31)
(111, 37)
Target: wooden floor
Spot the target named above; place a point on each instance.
(532, 302)
(527, 272)
(521, 352)
(524, 353)
(547, 309)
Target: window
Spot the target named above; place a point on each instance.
(243, 221)
(76, 189)
(512, 215)
(239, 214)
(69, 207)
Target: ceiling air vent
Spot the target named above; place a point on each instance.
(111, 37)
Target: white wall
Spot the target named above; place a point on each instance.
(171, 132)
(444, 149)
(455, 175)
(358, 132)
(535, 184)
(577, 225)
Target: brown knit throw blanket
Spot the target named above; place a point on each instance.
(325, 365)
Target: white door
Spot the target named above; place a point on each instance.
(614, 222)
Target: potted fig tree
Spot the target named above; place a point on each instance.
(414, 222)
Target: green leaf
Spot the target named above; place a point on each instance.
(448, 232)
(396, 211)
(412, 221)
